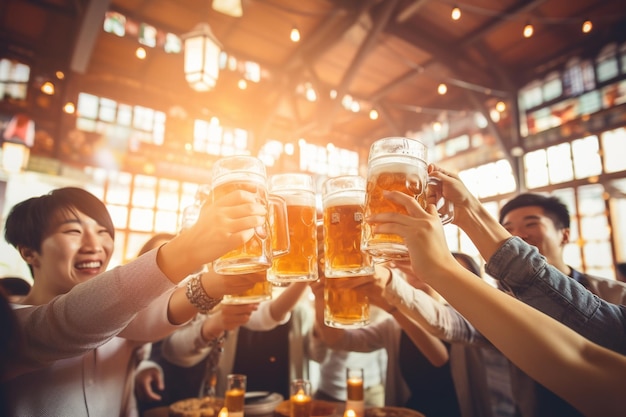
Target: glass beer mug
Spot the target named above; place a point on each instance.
(398, 164)
(343, 201)
(271, 239)
(300, 264)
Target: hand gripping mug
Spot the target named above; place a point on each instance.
(398, 164)
(270, 240)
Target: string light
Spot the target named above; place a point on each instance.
(141, 53)
(500, 106)
(69, 108)
(242, 84)
(442, 89)
(456, 13)
(373, 114)
(587, 26)
(295, 35)
(47, 88)
(528, 30)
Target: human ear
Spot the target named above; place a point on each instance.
(29, 255)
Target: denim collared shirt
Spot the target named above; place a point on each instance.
(523, 271)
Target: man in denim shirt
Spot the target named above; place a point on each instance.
(544, 223)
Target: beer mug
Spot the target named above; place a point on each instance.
(300, 263)
(398, 164)
(344, 306)
(248, 173)
(343, 200)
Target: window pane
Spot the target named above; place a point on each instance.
(144, 194)
(87, 106)
(119, 215)
(107, 110)
(614, 149)
(552, 88)
(141, 219)
(189, 192)
(124, 115)
(536, 169)
(166, 221)
(560, 163)
(595, 228)
(598, 255)
(119, 189)
(591, 200)
(572, 255)
(168, 195)
(587, 160)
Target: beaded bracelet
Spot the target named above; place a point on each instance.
(198, 297)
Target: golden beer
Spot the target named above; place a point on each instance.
(256, 254)
(260, 292)
(344, 307)
(343, 222)
(395, 174)
(234, 400)
(300, 264)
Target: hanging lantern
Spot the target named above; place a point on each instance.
(202, 51)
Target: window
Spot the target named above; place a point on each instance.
(586, 153)
(614, 148)
(606, 64)
(552, 87)
(578, 77)
(210, 137)
(536, 169)
(328, 160)
(120, 124)
(14, 78)
(501, 175)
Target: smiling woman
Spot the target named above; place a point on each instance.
(81, 323)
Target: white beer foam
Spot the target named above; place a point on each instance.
(239, 177)
(357, 198)
(307, 199)
(398, 164)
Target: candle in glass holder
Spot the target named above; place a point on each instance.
(300, 401)
(235, 392)
(355, 398)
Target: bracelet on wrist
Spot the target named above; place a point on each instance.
(198, 297)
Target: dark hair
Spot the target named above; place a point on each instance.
(621, 267)
(470, 263)
(14, 285)
(150, 243)
(29, 221)
(553, 207)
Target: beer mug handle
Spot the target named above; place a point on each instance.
(279, 226)
(434, 195)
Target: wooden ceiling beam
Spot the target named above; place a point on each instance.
(326, 114)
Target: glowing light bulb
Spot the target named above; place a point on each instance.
(295, 35)
(456, 13)
(528, 30)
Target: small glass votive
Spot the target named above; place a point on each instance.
(300, 401)
(355, 398)
(235, 393)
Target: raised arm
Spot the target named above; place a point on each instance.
(583, 373)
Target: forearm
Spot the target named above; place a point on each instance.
(545, 349)
(440, 320)
(186, 346)
(287, 300)
(483, 230)
(532, 280)
(432, 347)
